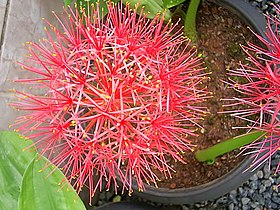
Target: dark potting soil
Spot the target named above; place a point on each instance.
(220, 34)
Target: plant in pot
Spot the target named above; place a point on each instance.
(122, 95)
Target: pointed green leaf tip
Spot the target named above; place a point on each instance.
(41, 189)
(67, 2)
(211, 153)
(13, 162)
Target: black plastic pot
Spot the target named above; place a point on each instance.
(237, 176)
(127, 206)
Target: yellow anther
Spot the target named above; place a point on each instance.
(73, 123)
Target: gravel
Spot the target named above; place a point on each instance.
(258, 193)
(261, 192)
(265, 5)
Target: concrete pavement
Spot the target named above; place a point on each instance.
(20, 21)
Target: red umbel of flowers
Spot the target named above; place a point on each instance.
(122, 95)
(260, 86)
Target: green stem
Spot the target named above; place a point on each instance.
(209, 154)
(190, 20)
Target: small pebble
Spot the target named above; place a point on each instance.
(222, 200)
(185, 208)
(260, 174)
(262, 189)
(231, 206)
(267, 183)
(274, 206)
(255, 4)
(276, 199)
(117, 198)
(245, 201)
(254, 177)
(266, 171)
(172, 186)
(271, 180)
(253, 185)
(253, 205)
(266, 195)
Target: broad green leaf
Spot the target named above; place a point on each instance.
(67, 2)
(172, 3)
(41, 189)
(151, 8)
(13, 162)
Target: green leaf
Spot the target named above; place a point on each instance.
(211, 153)
(67, 2)
(41, 189)
(172, 3)
(13, 162)
(151, 8)
(102, 5)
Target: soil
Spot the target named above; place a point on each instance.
(220, 34)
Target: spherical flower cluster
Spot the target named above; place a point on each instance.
(123, 94)
(260, 88)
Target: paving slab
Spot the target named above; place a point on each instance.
(7, 114)
(23, 23)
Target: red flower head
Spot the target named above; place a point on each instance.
(260, 87)
(122, 94)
